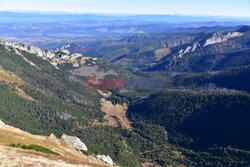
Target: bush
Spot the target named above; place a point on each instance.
(33, 147)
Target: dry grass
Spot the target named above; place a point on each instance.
(9, 77)
(148, 164)
(103, 94)
(118, 111)
(13, 81)
(18, 157)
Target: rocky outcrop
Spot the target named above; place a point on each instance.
(194, 47)
(74, 142)
(106, 159)
(219, 37)
(53, 139)
(30, 49)
(57, 57)
(188, 49)
(1, 124)
(73, 48)
(64, 116)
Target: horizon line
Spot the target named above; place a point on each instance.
(120, 14)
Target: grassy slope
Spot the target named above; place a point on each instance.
(48, 147)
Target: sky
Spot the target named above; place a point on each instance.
(183, 7)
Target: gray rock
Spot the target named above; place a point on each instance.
(74, 142)
(1, 124)
(106, 159)
(53, 139)
(219, 37)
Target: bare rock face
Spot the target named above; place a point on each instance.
(106, 159)
(74, 142)
(59, 56)
(219, 37)
(30, 49)
(1, 124)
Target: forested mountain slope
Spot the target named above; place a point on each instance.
(41, 98)
(195, 50)
(44, 92)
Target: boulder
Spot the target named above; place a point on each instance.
(1, 124)
(53, 139)
(74, 142)
(106, 159)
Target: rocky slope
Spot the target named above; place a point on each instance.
(207, 53)
(56, 58)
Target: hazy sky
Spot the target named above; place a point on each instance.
(193, 7)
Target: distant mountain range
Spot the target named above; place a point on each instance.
(43, 17)
(51, 30)
(190, 50)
